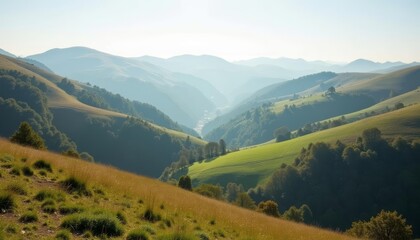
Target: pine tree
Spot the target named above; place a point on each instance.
(26, 136)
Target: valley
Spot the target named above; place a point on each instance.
(209, 120)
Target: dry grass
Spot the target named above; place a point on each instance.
(189, 208)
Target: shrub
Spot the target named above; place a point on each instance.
(27, 171)
(185, 182)
(63, 235)
(137, 234)
(74, 185)
(16, 188)
(26, 136)
(70, 209)
(42, 164)
(269, 207)
(28, 217)
(99, 224)
(7, 202)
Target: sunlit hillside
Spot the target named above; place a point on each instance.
(252, 166)
(124, 199)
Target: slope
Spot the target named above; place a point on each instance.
(127, 196)
(252, 166)
(119, 140)
(384, 86)
(132, 79)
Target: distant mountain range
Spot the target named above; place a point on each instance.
(6, 53)
(170, 92)
(301, 65)
(170, 84)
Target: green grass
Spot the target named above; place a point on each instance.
(409, 98)
(278, 107)
(252, 166)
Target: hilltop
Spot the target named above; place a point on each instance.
(51, 192)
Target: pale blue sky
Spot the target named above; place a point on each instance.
(380, 30)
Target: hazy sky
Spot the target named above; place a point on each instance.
(336, 30)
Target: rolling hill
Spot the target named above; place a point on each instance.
(252, 166)
(384, 86)
(111, 137)
(135, 80)
(123, 200)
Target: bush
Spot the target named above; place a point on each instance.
(28, 217)
(41, 164)
(16, 188)
(63, 235)
(99, 224)
(27, 171)
(269, 207)
(74, 185)
(137, 234)
(185, 182)
(7, 202)
(26, 136)
(70, 209)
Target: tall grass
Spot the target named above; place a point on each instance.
(177, 201)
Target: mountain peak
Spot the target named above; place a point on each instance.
(6, 53)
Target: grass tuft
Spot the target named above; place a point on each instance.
(47, 193)
(15, 171)
(28, 217)
(70, 209)
(42, 164)
(137, 234)
(99, 224)
(27, 171)
(16, 188)
(75, 185)
(7, 202)
(63, 235)
(151, 216)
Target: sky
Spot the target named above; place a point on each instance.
(340, 31)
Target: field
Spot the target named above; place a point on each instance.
(43, 203)
(252, 166)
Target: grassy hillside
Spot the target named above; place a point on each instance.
(43, 204)
(252, 166)
(409, 98)
(381, 87)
